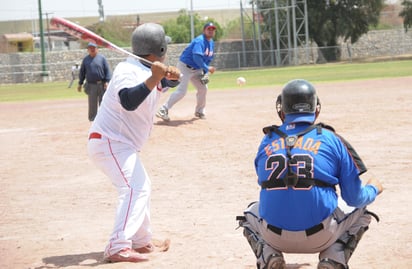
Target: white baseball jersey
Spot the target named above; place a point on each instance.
(116, 123)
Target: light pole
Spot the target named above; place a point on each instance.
(192, 27)
(101, 10)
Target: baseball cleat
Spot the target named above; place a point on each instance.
(200, 115)
(163, 114)
(329, 264)
(127, 255)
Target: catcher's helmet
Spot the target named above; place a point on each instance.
(298, 96)
(149, 38)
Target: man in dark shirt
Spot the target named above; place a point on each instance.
(95, 70)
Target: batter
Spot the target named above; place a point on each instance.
(121, 127)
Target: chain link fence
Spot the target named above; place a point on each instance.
(229, 55)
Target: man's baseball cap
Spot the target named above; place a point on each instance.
(91, 44)
(209, 25)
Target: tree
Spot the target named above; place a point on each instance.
(406, 14)
(330, 20)
(115, 30)
(179, 29)
(334, 19)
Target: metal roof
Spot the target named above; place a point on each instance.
(18, 37)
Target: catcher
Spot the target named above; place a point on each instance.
(299, 165)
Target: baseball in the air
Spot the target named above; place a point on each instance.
(240, 81)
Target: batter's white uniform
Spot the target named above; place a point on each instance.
(116, 137)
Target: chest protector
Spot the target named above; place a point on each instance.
(291, 179)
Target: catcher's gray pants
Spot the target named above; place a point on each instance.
(192, 75)
(95, 93)
(337, 226)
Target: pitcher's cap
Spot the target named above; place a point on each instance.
(209, 25)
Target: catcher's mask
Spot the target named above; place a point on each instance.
(298, 97)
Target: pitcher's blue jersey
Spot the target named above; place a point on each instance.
(323, 156)
(199, 46)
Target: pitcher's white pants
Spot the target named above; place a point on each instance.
(193, 76)
(121, 163)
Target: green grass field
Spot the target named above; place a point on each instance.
(227, 79)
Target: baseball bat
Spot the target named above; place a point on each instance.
(85, 34)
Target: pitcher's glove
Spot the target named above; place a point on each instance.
(204, 79)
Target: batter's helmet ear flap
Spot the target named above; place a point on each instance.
(279, 108)
(318, 107)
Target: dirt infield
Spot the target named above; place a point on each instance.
(57, 209)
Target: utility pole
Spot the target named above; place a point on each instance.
(48, 30)
(192, 27)
(101, 10)
(43, 56)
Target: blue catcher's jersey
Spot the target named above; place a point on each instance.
(319, 154)
(199, 46)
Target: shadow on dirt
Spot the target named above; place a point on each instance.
(176, 123)
(87, 260)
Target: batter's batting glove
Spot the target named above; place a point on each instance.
(204, 79)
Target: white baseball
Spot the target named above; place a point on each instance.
(240, 81)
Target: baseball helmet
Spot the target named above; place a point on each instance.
(149, 38)
(298, 96)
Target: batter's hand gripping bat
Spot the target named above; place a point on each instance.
(85, 34)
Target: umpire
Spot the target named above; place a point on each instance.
(96, 71)
(299, 165)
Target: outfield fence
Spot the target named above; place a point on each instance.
(229, 55)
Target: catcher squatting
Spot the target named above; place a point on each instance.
(299, 164)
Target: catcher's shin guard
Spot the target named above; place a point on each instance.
(275, 261)
(250, 236)
(349, 243)
(353, 240)
(254, 242)
(266, 257)
(352, 243)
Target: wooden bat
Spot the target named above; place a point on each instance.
(85, 34)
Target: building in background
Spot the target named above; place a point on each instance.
(52, 43)
(20, 42)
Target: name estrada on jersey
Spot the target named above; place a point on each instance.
(292, 208)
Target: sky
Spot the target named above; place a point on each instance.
(28, 9)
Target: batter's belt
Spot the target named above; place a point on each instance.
(95, 136)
